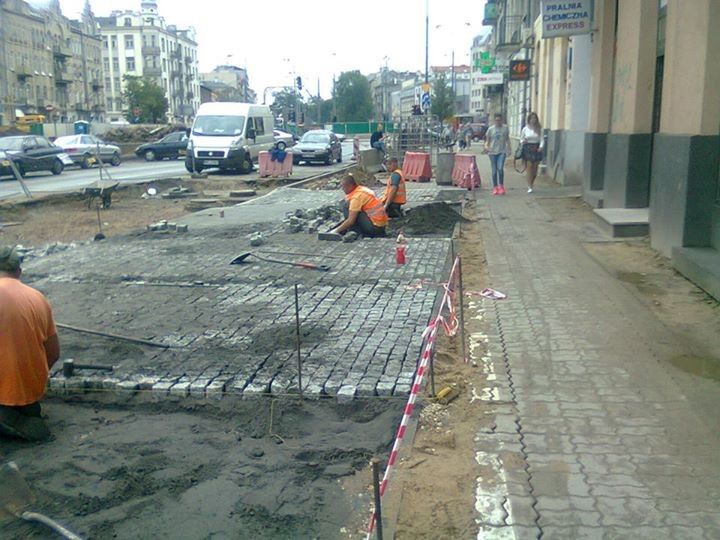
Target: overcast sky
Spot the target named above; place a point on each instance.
(260, 34)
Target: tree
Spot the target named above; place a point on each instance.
(443, 100)
(326, 108)
(353, 97)
(146, 97)
(286, 102)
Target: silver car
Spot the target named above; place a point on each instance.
(84, 150)
(283, 139)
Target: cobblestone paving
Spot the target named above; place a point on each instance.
(232, 327)
(589, 435)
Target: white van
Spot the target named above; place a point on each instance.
(229, 136)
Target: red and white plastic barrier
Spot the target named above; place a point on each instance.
(268, 167)
(416, 167)
(449, 322)
(465, 173)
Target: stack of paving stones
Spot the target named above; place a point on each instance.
(231, 328)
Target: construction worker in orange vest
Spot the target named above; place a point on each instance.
(364, 212)
(395, 194)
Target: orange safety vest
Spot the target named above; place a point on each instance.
(401, 194)
(374, 207)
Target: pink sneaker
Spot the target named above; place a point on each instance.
(495, 191)
(501, 190)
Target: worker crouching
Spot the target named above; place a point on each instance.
(29, 347)
(364, 212)
(395, 195)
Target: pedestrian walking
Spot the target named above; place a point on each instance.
(532, 143)
(497, 146)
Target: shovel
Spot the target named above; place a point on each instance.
(240, 259)
(15, 496)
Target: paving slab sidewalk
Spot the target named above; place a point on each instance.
(590, 436)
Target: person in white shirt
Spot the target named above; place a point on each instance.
(532, 143)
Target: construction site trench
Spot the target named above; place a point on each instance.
(207, 436)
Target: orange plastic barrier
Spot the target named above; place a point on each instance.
(268, 167)
(465, 172)
(416, 167)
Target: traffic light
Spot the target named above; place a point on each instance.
(298, 82)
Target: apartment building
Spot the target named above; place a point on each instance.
(49, 64)
(230, 83)
(141, 44)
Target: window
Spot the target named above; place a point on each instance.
(106, 44)
(113, 42)
(162, 44)
(106, 64)
(42, 142)
(259, 125)
(117, 83)
(116, 64)
(164, 65)
(108, 84)
(130, 64)
(129, 42)
(109, 104)
(128, 21)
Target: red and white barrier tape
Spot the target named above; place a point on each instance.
(429, 335)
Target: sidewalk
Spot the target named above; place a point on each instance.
(590, 435)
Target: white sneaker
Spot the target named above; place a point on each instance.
(530, 190)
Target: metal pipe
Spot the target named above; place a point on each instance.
(297, 339)
(462, 309)
(113, 336)
(376, 489)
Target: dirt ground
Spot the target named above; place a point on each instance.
(438, 478)
(235, 469)
(66, 218)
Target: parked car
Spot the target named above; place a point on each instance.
(83, 149)
(170, 146)
(283, 139)
(31, 153)
(318, 145)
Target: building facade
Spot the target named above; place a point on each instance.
(630, 105)
(459, 79)
(382, 86)
(49, 64)
(230, 83)
(141, 44)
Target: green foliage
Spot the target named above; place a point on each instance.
(443, 99)
(149, 97)
(285, 101)
(326, 110)
(353, 96)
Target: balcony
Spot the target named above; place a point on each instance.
(177, 54)
(509, 31)
(175, 73)
(23, 72)
(190, 95)
(61, 51)
(62, 78)
(188, 59)
(96, 85)
(151, 50)
(150, 71)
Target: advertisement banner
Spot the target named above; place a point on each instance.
(560, 19)
(489, 78)
(519, 70)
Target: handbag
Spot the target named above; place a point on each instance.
(519, 152)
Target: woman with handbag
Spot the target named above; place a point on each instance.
(532, 143)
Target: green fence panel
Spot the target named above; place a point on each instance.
(358, 128)
(37, 129)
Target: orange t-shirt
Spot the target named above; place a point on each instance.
(26, 322)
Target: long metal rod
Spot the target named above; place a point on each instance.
(376, 489)
(113, 336)
(297, 340)
(462, 310)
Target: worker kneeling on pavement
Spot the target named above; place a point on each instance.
(364, 212)
(395, 194)
(28, 348)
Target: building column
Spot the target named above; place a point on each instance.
(601, 75)
(577, 109)
(629, 143)
(684, 205)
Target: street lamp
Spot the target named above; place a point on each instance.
(452, 68)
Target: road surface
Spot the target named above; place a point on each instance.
(134, 172)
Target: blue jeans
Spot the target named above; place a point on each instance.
(497, 161)
(379, 145)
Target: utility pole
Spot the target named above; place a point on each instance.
(427, 37)
(452, 72)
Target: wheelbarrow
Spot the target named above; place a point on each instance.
(16, 497)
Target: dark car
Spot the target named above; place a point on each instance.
(479, 131)
(317, 145)
(31, 153)
(170, 146)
